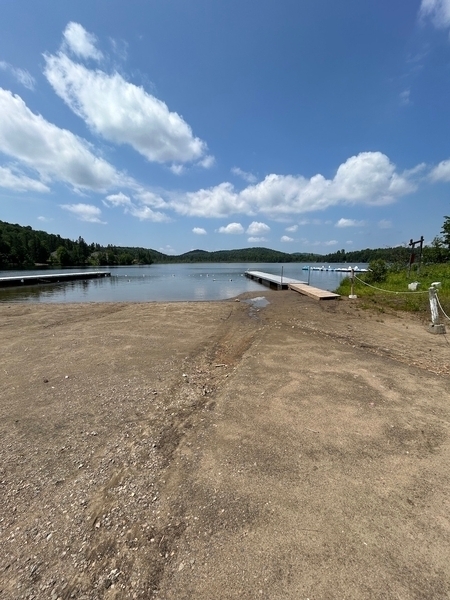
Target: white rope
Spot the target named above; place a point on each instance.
(388, 291)
(440, 306)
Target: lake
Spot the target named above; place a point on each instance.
(165, 283)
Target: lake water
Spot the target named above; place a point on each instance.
(165, 283)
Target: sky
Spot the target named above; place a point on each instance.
(309, 126)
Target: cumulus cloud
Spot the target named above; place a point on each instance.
(119, 111)
(145, 213)
(80, 42)
(199, 231)
(140, 205)
(207, 162)
(292, 228)
(438, 11)
(257, 229)
(366, 179)
(248, 177)
(232, 228)
(85, 212)
(19, 182)
(331, 243)
(21, 75)
(119, 199)
(349, 223)
(53, 152)
(253, 240)
(441, 172)
(286, 238)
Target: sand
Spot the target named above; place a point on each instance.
(223, 450)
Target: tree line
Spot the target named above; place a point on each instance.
(24, 247)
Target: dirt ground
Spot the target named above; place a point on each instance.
(224, 450)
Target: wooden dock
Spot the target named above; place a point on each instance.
(313, 292)
(44, 278)
(275, 282)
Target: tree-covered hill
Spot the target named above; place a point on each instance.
(24, 247)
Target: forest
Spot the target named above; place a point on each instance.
(24, 247)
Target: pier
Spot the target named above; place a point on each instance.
(274, 282)
(43, 278)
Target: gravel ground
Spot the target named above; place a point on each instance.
(223, 450)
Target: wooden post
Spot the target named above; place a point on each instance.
(353, 295)
(435, 326)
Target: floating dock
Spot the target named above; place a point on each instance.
(313, 292)
(43, 278)
(274, 282)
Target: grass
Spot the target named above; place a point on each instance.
(397, 296)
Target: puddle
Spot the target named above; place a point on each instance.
(259, 302)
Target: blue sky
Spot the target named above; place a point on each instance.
(301, 126)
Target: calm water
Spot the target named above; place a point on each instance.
(198, 282)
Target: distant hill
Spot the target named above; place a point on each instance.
(24, 247)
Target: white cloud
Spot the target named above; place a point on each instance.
(85, 212)
(331, 243)
(257, 229)
(44, 219)
(145, 213)
(140, 206)
(119, 199)
(80, 42)
(122, 112)
(438, 11)
(441, 172)
(177, 169)
(292, 228)
(199, 231)
(249, 177)
(349, 223)
(21, 75)
(367, 179)
(253, 240)
(384, 224)
(207, 162)
(286, 238)
(19, 182)
(232, 228)
(405, 97)
(150, 198)
(53, 152)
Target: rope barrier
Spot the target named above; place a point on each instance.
(440, 306)
(387, 291)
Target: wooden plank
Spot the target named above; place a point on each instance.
(313, 292)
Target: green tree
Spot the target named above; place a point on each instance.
(378, 270)
(446, 232)
(63, 257)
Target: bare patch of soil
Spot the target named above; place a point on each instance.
(220, 450)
